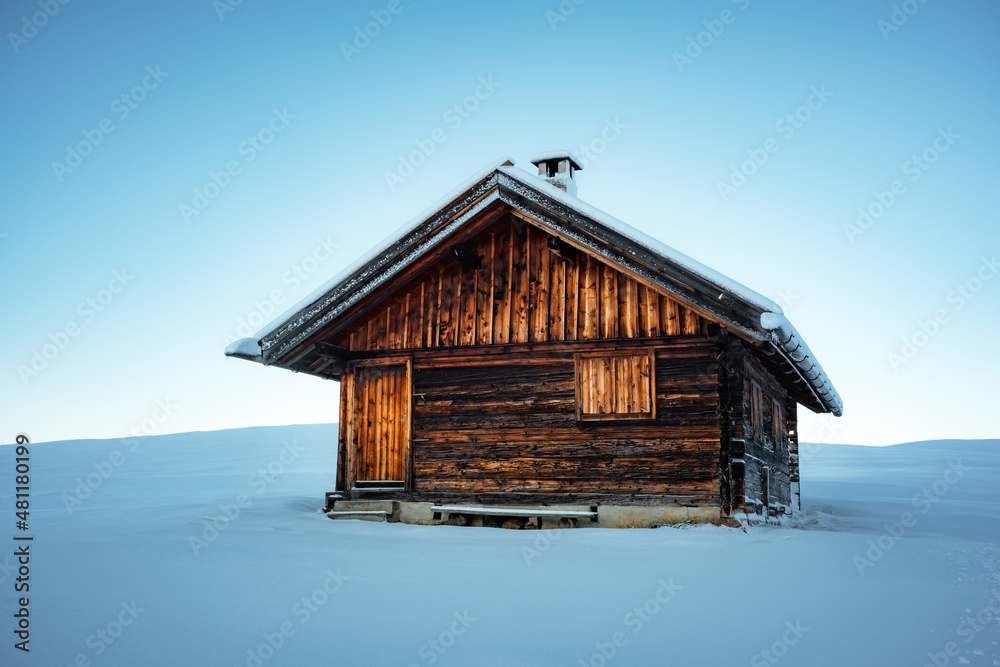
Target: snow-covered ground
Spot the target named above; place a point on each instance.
(895, 562)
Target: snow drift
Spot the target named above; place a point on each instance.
(210, 549)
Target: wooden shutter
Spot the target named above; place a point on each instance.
(778, 425)
(615, 385)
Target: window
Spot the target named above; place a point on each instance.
(615, 385)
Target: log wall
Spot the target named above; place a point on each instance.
(759, 440)
(491, 426)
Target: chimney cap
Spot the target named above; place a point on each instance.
(547, 156)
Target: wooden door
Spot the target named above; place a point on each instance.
(380, 419)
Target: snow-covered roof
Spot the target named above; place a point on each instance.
(643, 239)
(383, 245)
(743, 310)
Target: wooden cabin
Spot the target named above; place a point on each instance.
(516, 357)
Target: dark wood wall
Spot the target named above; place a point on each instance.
(493, 425)
(758, 435)
(528, 287)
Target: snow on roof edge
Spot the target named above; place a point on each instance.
(381, 247)
(245, 348)
(772, 319)
(694, 266)
(785, 336)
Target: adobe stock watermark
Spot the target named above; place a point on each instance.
(106, 467)
(779, 649)
(432, 650)
(698, 43)
(121, 108)
(223, 7)
(593, 149)
(823, 434)
(785, 297)
(958, 298)
(562, 12)
(786, 127)
(542, 543)
(636, 620)
(924, 502)
(454, 116)
(248, 150)
(363, 35)
(30, 25)
(898, 17)
(259, 481)
(914, 168)
(302, 611)
(270, 305)
(967, 629)
(87, 311)
(104, 637)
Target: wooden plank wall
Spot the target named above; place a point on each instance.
(501, 424)
(759, 449)
(523, 293)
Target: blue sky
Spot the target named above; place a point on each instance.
(133, 297)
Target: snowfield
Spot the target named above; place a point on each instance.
(210, 549)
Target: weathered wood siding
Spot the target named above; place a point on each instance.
(498, 424)
(523, 292)
(758, 438)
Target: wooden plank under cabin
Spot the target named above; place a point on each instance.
(467, 307)
(501, 285)
(589, 318)
(521, 254)
(484, 293)
(538, 286)
(609, 302)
